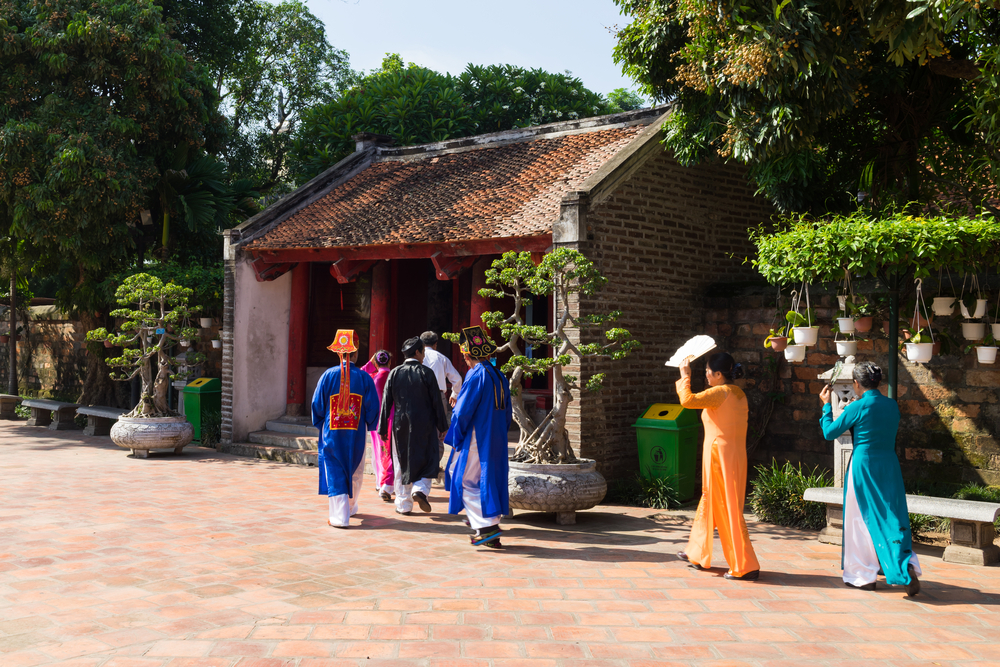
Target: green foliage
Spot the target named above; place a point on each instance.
(810, 95)
(623, 99)
(211, 428)
(95, 100)
(416, 105)
(806, 318)
(986, 494)
(638, 491)
(776, 495)
(802, 249)
(155, 315)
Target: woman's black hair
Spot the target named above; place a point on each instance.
(383, 358)
(868, 374)
(723, 362)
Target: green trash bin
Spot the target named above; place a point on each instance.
(201, 397)
(668, 445)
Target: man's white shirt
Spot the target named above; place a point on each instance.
(443, 369)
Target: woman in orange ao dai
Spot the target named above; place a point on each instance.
(724, 469)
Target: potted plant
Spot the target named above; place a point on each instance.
(216, 342)
(802, 327)
(154, 315)
(861, 309)
(777, 340)
(986, 351)
(919, 345)
(206, 322)
(545, 473)
(972, 301)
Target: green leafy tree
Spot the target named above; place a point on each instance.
(563, 274)
(283, 66)
(415, 105)
(822, 100)
(156, 314)
(624, 99)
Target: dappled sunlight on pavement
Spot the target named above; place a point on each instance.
(211, 559)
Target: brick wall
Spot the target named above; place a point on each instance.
(661, 239)
(50, 358)
(950, 409)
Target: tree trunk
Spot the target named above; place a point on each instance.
(12, 387)
(98, 387)
(162, 382)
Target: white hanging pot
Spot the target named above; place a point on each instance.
(185, 343)
(216, 343)
(805, 335)
(980, 310)
(973, 330)
(206, 322)
(919, 353)
(996, 330)
(795, 353)
(987, 354)
(942, 306)
(846, 348)
(846, 324)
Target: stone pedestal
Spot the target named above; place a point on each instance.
(843, 446)
(972, 543)
(834, 531)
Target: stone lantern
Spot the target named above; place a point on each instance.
(842, 394)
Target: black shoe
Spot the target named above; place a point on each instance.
(684, 557)
(386, 496)
(404, 513)
(913, 587)
(488, 537)
(749, 576)
(862, 587)
(421, 500)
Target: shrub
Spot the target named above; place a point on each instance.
(986, 494)
(211, 428)
(638, 491)
(776, 496)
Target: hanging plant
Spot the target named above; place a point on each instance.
(777, 339)
(920, 348)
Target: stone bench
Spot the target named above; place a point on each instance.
(7, 404)
(99, 418)
(42, 411)
(972, 531)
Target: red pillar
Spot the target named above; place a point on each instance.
(378, 331)
(480, 304)
(298, 340)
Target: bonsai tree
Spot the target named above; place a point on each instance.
(562, 274)
(155, 314)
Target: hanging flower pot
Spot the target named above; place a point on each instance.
(919, 353)
(216, 343)
(206, 322)
(943, 306)
(847, 348)
(107, 343)
(185, 343)
(805, 335)
(795, 353)
(980, 310)
(996, 330)
(973, 330)
(779, 343)
(987, 354)
(846, 324)
(4, 338)
(863, 324)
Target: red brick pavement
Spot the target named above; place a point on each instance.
(209, 559)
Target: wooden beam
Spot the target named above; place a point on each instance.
(378, 338)
(298, 323)
(347, 270)
(405, 250)
(265, 271)
(448, 268)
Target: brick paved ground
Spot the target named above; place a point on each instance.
(208, 559)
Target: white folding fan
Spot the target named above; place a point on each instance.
(692, 349)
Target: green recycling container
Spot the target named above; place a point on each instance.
(668, 445)
(201, 397)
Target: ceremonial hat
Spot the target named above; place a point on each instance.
(411, 344)
(345, 342)
(476, 344)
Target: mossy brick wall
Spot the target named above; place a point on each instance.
(950, 408)
(661, 239)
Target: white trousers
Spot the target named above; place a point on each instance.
(342, 506)
(404, 492)
(860, 558)
(470, 490)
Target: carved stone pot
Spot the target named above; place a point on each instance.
(141, 435)
(562, 488)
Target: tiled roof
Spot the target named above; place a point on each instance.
(481, 193)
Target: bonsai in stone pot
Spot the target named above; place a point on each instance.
(545, 473)
(154, 315)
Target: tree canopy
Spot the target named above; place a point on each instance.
(415, 105)
(823, 99)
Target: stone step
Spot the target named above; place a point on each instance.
(287, 440)
(304, 457)
(296, 425)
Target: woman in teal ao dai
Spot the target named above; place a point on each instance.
(876, 521)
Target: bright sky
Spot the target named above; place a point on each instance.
(446, 35)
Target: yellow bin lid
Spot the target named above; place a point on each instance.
(664, 411)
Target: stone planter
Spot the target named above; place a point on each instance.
(562, 488)
(144, 435)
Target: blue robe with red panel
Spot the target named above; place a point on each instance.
(342, 437)
(483, 408)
